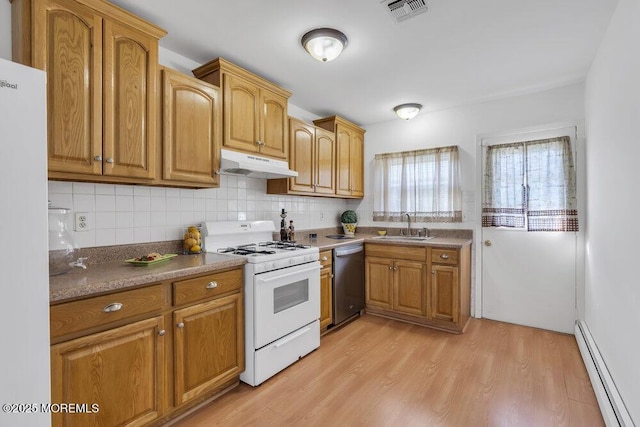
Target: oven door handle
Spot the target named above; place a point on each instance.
(280, 276)
(292, 337)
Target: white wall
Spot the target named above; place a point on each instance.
(612, 294)
(460, 126)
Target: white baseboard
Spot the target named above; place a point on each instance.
(613, 410)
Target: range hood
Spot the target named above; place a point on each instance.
(253, 166)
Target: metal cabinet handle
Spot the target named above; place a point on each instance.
(109, 160)
(98, 158)
(260, 143)
(433, 272)
(212, 285)
(444, 256)
(161, 332)
(395, 268)
(180, 325)
(114, 306)
(324, 258)
(488, 243)
(390, 268)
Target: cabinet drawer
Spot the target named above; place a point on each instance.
(326, 258)
(415, 253)
(91, 312)
(444, 256)
(205, 287)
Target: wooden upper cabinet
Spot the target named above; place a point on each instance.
(102, 74)
(274, 140)
(130, 91)
(191, 113)
(241, 119)
(254, 110)
(325, 162)
(302, 156)
(312, 153)
(349, 156)
(67, 45)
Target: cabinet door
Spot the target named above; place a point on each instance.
(444, 293)
(240, 114)
(378, 280)
(325, 162)
(67, 44)
(208, 346)
(274, 136)
(121, 370)
(130, 88)
(326, 297)
(191, 129)
(410, 288)
(301, 156)
(356, 164)
(343, 161)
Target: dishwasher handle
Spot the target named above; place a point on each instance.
(348, 250)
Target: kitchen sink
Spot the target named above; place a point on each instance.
(403, 238)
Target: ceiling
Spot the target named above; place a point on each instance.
(458, 52)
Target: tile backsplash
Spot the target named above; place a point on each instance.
(123, 214)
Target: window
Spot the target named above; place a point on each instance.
(424, 183)
(530, 185)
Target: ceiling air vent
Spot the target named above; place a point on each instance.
(405, 9)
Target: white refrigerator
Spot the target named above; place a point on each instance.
(24, 265)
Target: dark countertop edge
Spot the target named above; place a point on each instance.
(322, 243)
(79, 290)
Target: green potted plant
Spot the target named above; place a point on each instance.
(349, 220)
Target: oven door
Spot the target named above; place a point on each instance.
(285, 300)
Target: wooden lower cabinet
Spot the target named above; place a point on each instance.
(144, 363)
(445, 285)
(326, 289)
(378, 282)
(209, 346)
(120, 370)
(410, 287)
(398, 285)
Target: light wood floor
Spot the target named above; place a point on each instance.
(380, 372)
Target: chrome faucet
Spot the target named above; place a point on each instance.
(408, 223)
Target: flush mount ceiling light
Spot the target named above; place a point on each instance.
(324, 44)
(407, 111)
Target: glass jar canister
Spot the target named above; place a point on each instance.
(61, 245)
(192, 241)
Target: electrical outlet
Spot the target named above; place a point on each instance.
(82, 222)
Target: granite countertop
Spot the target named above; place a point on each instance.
(107, 272)
(118, 275)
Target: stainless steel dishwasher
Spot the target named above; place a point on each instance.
(348, 282)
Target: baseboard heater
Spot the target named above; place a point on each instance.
(611, 405)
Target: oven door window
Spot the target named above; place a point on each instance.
(288, 296)
(285, 300)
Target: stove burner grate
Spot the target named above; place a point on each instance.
(290, 246)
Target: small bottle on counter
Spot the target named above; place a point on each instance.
(291, 232)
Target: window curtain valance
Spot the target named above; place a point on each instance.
(425, 183)
(531, 185)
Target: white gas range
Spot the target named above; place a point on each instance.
(282, 294)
